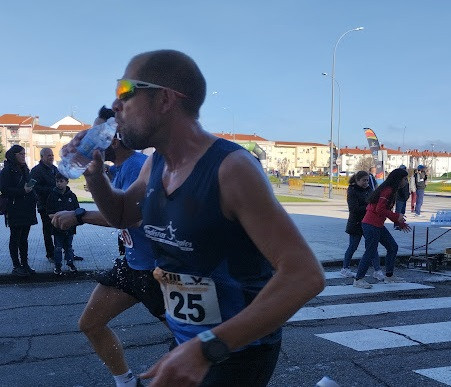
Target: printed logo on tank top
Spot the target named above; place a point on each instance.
(167, 235)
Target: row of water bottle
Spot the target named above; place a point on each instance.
(441, 218)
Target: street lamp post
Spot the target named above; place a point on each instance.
(339, 120)
(332, 109)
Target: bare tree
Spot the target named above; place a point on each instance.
(364, 163)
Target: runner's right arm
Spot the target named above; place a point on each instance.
(120, 209)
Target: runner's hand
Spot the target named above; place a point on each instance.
(183, 366)
(64, 219)
(95, 167)
(401, 218)
(71, 147)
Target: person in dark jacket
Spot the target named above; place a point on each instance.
(44, 173)
(357, 197)
(21, 207)
(61, 198)
(420, 183)
(402, 195)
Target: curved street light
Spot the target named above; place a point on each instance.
(332, 109)
(339, 120)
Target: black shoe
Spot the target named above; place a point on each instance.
(19, 271)
(77, 258)
(72, 268)
(57, 271)
(29, 269)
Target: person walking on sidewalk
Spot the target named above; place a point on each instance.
(62, 199)
(413, 189)
(420, 184)
(21, 207)
(357, 198)
(232, 265)
(44, 173)
(402, 196)
(379, 209)
(130, 281)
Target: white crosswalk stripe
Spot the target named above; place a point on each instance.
(392, 337)
(341, 290)
(440, 374)
(369, 308)
(387, 338)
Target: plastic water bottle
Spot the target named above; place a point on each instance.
(72, 165)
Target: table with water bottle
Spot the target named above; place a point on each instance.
(442, 219)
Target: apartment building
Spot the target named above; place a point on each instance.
(27, 132)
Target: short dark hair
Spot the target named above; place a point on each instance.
(60, 176)
(105, 113)
(177, 71)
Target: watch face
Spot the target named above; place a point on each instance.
(216, 351)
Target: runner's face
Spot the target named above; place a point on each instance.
(136, 116)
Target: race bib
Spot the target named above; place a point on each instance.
(189, 299)
(126, 238)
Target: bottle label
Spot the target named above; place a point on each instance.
(86, 147)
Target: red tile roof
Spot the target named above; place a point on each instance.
(42, 128)
(15, 119)
(240, 137)
(73, 128)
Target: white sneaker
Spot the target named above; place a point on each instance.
(393, 279)
(347, 273)
(361, 283)
(379, 275)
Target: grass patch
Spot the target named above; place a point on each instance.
(294, 199)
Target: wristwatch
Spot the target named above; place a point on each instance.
(79, 213)
(214, 350)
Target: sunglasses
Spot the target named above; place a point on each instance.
(126, 88)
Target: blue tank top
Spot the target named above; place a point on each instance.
(137, 246)
(210, 269)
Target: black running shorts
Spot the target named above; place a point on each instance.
(139, 284)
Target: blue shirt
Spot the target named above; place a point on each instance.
(137, 247)
(210, 268)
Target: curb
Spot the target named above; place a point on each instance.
(81, 275)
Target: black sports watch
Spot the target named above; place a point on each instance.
(79, 212)
(214, 350)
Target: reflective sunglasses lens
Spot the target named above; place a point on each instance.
(124, 89)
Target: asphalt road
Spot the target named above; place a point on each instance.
(40, 344)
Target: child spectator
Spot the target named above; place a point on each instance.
(61, 198)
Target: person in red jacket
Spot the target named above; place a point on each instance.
(380, 207)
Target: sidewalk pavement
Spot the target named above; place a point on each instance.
(321, 223)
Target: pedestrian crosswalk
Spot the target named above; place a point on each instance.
(333, 304)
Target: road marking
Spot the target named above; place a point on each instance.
(369, 308)
(341, 290)
(392, 337)
(440, 374)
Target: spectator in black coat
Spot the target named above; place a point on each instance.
(21, 208)
(44, 173)
(357, 197)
